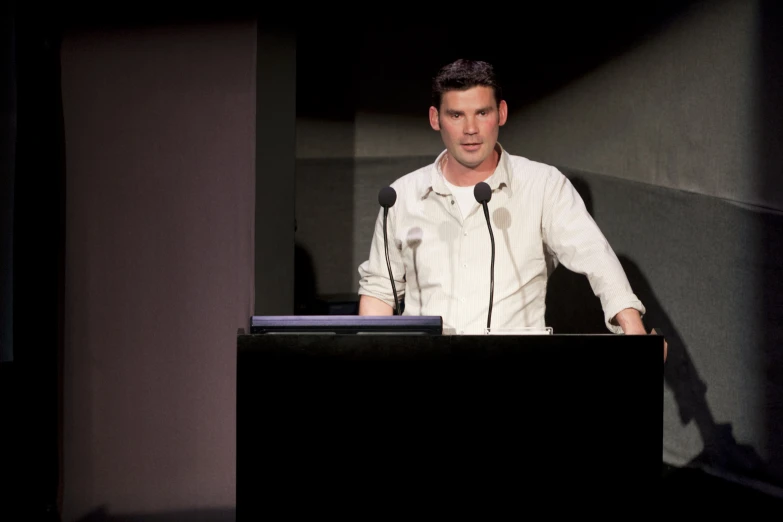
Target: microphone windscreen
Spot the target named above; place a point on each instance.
(387, 197)
(482, 192)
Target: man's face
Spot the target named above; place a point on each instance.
(469, 122)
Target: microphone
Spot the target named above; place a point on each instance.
(387, 197)
(483, 194)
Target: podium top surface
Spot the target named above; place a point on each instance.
(575, 350)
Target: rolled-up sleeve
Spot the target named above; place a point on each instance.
(374, 273)
(574, 237)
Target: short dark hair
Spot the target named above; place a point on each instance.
(462, 75)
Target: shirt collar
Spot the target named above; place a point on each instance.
(499, 179)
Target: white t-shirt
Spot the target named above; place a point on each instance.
(464, 196)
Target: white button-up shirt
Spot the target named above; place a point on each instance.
(441, 259)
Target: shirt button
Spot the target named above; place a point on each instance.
(452, 201)
(462, 332)
(465, 265)
(466, 232)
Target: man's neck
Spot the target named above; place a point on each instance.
(462, 176)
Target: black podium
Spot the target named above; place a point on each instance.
(436, 426)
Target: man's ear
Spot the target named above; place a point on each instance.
(434, 122)
(502, 113)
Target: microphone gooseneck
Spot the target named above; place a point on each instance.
(386, 198)
(483, 193)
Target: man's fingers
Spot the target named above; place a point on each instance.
(656, 331)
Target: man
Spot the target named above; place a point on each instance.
(439, 244)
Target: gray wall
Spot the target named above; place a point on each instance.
(160, 145)
(667, 122)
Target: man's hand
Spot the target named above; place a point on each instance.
(372, 306)
(631, 323)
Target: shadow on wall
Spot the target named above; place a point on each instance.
(196, 515)
(305, 283)
(572, 307)
(325, 221)
(721, 450)
(307, 300)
